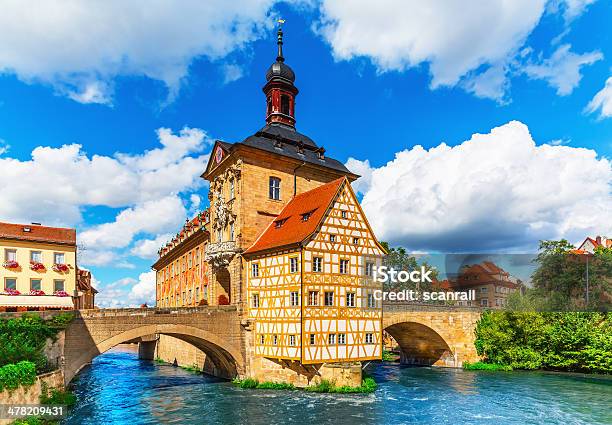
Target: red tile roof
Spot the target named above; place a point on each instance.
(293, 229)
(38, 233)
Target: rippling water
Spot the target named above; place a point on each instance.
(120, 389)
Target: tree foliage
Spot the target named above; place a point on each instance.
(570, 341)
(399, 259)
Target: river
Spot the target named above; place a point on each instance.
(120, 389)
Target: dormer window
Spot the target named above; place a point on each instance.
(306, 216)
(279, 223)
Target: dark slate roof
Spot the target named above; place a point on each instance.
(284, 140)
(280, 70)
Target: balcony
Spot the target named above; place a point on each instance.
(221, 253)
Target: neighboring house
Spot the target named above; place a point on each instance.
(38, 269)
(491, 283)
(590, 244)
(86, 293)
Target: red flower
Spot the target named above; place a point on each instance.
(37, 292)
(37, 266)
(12, 292)
(61, 294)
(10, 264)
(60, 268)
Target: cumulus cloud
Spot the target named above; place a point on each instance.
(147, 248)
(496, 191)
(454, 37)
(562, 69)
(127, 292)
(602, 101)
(56, 183)
(80, 47)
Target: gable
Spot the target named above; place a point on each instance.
(220, 151)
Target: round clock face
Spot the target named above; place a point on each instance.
(218, 155)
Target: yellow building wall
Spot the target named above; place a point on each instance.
(24, 274)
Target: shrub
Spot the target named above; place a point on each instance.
(486, 366)
(14, 375)
(57, 396)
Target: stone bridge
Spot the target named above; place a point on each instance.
(426, 334)
(214, 330)
(432, 334)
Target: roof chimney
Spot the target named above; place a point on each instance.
(598, 240)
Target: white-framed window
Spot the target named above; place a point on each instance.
(484, 289)
(255, 269)
(275, 340)
(484, 302)
(369, 338)
(371, 301)
(332, 238)
(197, 292)
(312, 339)
(292, 340)
(10, 283)
(36, 256)
(190, 296)
(313, 298)
(355, 241)
(255, 300)
(343, 214)
(274, 192)
(350, 299)
(293, 264)
(341, 339)
(317, 264)
(344, 266)
(369, 271)
(331, 339)
(190, 263)
(35, 284)
(262, 339)
(294, 298)
(329, 298)
(10, 255)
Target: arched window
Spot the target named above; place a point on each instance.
(285, 104)
(269, 105)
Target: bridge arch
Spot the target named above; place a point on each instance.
(226, 358)
(420, 344)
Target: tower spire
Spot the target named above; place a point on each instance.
(280, 57)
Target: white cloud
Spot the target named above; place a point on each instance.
(80, 47)
(454, 37)
(562, 69)
(127, 292)
(232, 72)
(147, 248)
(602, 101)
(4, 147)
(575, 8)
(56, 183)
(496, 191)
(559, 142)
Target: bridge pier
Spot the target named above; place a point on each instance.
(146, 350)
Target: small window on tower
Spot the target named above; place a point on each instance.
(285, 104)
(274, 188)
(269, 105)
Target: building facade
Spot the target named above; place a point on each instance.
(85, 294)
(254, 184)
(181, 272)
(39, 268)
(590, 244)
(492, 284)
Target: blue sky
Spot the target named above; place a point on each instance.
(529, 79)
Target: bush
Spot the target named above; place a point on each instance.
(24, 338)
(368, 385)
(12, 376)
(57, 396)
(574, 342)
(486, 366)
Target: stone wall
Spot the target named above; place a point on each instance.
(31, 395)
(170, 350)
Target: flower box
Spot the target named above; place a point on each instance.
(12, 292)
(37, 292)
(37, 267)
(11, 264)
(61, 294)
(60, 268)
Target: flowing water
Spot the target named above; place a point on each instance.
(120, 389)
